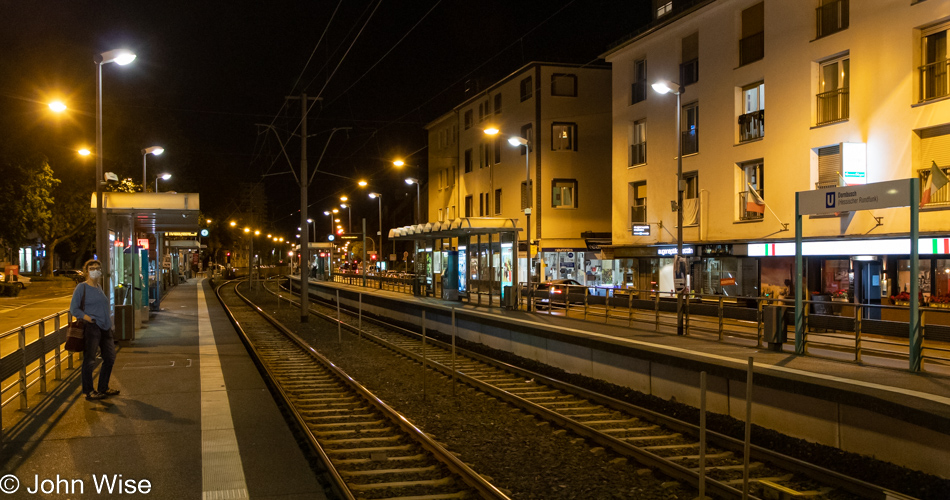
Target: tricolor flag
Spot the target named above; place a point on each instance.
(935, 181)
(754, 202)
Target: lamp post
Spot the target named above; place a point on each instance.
(349, 210)
(313, 230)
(666, 87)
(379, 199)
(120, 57)
(519, 141)
(410, 181)
(154, 150)
(163, 177)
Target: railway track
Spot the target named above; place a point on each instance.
(657, 441)
(370, 450)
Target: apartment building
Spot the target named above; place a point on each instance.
(563, 111)
(857, 93)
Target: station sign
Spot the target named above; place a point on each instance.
(667, 251)
(852, 198)
(640, 229)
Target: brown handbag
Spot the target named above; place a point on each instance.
(75, 332)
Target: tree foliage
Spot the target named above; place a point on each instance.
(72, 220)
(26, 185)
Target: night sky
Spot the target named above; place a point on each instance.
(207, 72)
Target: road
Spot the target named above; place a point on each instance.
(37, 301)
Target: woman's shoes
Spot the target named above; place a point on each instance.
(96, 395)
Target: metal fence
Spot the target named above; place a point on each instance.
(28, 354)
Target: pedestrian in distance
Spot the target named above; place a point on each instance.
(91, 304)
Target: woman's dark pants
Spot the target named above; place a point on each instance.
(97, 339)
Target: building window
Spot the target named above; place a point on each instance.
(832, 16)
(935, 64)
(564, 193)
(497, 103)
(442, 183)
(527, 131)
(829, 167)
(638, 202)
(498, 202)
(691, 199)
(752, 44)
(440, 215)
(638, 91)
(638, 143)
(468, 206)
(752, 119)
(942, 194)
(689, 68)
(564, 85)
(833, 91)
(452, 212)
(526, 89)
(496, 145)
(468, 161)
(662, 7)
(469, 119)
(481, 204)
(690, 130)
(751, 191)
(563, 137)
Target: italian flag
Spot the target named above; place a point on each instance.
(937, 180)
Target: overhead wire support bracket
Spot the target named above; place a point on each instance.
(325, 146)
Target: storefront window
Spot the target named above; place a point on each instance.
(941, 281)
(836, 277)
(778, 273)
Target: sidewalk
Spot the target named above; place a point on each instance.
(194, 419)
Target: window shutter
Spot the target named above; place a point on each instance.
(829, 164)
(935, 146)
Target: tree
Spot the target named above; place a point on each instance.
(26, 185)
(72, 218)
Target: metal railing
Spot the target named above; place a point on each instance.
(833, 106)
(638, 153)
(867, 333)
(934, 83)
(752, 125)
(832, 17)
(751, 48)
(28, 354)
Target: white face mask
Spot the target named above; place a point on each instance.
(95, 274)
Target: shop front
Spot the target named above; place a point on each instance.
(648, 269)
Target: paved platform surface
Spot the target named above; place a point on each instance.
(921, 398)
(194, 419)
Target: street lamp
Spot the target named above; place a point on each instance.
(154, 150)
(379, 199)
(349, 209)
(57, 106)
(163, 177)
(313, 231)
(666, 87)
(518, 141)
(120, 57)
(411, 181)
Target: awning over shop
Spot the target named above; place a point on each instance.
(455, 228)
(154, 212)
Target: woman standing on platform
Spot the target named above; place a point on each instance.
(90, 303)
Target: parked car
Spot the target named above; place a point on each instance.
(557, 289)
(21, 280)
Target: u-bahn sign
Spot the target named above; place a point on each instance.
(852, 198)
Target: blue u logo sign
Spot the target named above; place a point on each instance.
(830, 200)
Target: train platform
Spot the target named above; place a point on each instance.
(194, 420)
(919, 398)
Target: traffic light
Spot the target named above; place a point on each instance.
(229, 257)
(372, 257)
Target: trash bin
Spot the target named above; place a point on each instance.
(124, 323)
(775, 330)
(510, 301)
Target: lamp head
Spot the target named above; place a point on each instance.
(336, 211)
(84, 152)
(326, 212)
(344, 205)
(363, 183)
(57, 106)
(517, 141)
(375, 195)
(154, 150)
(666, 87)
(491, 131)
(118, 56)
(165, 177)
(412, 180)
(399, 163)
(343, 198)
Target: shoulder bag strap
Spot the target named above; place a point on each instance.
(82, 305)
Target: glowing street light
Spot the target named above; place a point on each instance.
(411, 181)
(163, 177)
(84, 152)
(154, 150)
(233, 223)
(57, 106)
(399, 163)
(362, 183)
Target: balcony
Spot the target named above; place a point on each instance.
(832, 17)
(638, 154)
(690, 140)
(833, 106)
(744, 214)
(934, 81)
(752, 48)
(752, 126)
(689, 72)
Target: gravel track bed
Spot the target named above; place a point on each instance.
(521, 454)
(434, 416)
